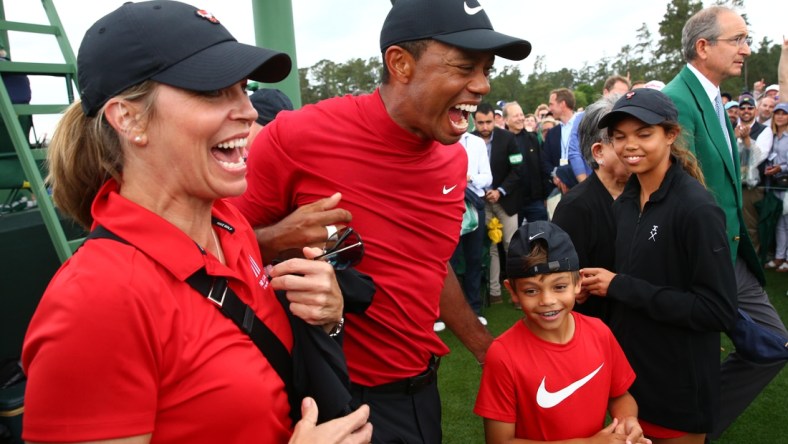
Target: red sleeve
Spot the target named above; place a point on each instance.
(269, 170)
(72, 344)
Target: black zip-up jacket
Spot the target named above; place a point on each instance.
(674, 293)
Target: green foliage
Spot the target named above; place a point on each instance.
(327, 79)
(668, 54)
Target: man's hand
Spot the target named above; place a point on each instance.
(743, 132)
(772, 170)
(492, 196)
(758, 87)
(306, 226)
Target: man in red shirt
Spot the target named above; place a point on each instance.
(395, 159)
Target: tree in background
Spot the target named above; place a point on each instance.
(327, 79)
(668, 56)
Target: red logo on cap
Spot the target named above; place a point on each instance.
(630, 94)
(207, 16)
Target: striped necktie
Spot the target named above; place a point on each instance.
(723, 118)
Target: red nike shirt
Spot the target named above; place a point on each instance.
(553, 391)
(406, 195)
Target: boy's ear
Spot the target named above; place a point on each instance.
(512, 293)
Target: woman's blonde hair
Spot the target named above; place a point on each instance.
(774, 126)
(86, 151)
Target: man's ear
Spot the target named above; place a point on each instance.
(124, 117)
(400, 63)
(701, 48)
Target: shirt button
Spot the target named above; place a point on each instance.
(736, 238)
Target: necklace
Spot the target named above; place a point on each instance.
(218, 246)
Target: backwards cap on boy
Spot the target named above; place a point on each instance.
(561, 254)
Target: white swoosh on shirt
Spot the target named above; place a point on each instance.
(448, 190)
(547, 399)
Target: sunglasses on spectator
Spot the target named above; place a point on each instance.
(746, 107)
(344, 249)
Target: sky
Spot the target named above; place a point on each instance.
(339, 30)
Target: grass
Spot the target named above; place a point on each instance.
(764, 421)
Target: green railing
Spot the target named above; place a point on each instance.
(32, 161)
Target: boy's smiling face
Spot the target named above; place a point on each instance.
(547, 301)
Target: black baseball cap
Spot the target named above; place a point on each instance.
(648, 105)
(561, 254)
(460, 23)
(268, 102)
(747, 99)
(170, 42)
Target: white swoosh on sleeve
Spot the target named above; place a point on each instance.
(547, 399)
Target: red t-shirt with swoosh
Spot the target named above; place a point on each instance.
(406, 196)
(553, 391)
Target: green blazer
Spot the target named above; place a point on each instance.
(706, 140)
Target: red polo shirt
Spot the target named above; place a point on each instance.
(121, 345)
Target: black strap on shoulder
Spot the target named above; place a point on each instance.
(102, 233)
(216, 290)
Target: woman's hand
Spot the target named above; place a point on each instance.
(350, 429)
(596, 280)
(312, 288)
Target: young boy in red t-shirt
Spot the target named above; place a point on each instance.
(554, 375)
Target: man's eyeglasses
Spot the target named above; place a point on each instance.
(746, 108)
(739, 41)
(344, 249)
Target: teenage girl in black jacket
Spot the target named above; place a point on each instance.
(675, 289)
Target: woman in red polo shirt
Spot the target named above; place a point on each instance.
(121, 347)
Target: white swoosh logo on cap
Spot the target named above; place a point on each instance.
(530, 238)
(448, 190)
(471, 11)
(547, 399)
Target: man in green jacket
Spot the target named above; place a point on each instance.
(715, 42)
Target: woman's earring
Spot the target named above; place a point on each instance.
(138, 139)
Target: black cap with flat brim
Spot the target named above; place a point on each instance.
(647, 105)
(561, 253)
(170, 42)
(460, 23)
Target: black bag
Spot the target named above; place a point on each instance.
(476, 201)
(317, 366)
(780, 181)
(757, 343)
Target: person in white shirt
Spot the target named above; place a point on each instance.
(754, 141)
(471, 245)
